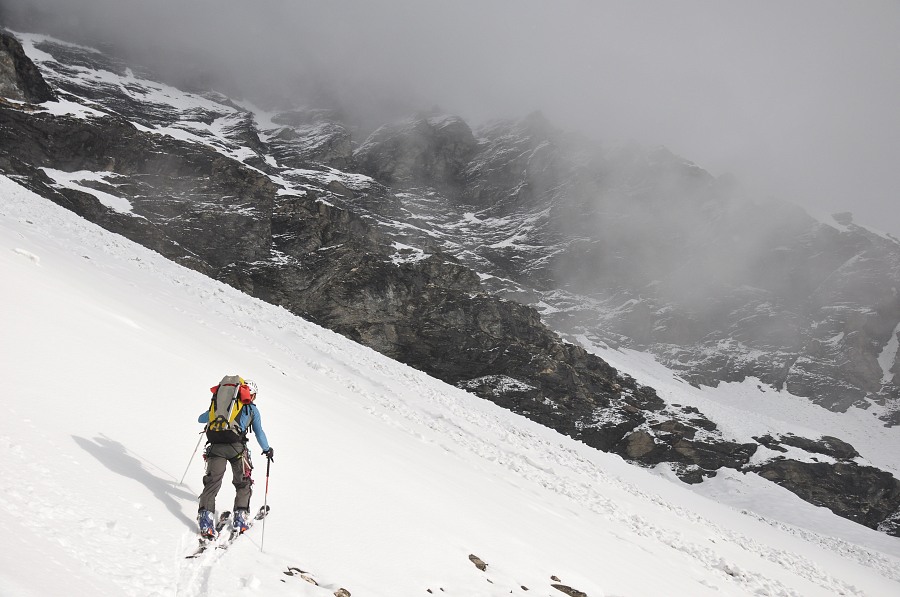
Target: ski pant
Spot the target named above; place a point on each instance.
(217, 455)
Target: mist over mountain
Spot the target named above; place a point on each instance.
(796, 100)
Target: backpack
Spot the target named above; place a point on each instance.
(229, 398)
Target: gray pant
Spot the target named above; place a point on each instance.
(239, 458)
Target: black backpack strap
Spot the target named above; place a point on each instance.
(249, 429)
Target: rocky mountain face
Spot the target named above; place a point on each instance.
(646, 250)
(467, 253)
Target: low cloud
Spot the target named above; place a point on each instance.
(797, 99)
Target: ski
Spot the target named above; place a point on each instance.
(224, 517)
(260, 514)
(205, 542)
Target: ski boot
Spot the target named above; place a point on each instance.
(207, 526)
(240, 521)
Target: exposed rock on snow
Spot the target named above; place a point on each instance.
(479, 563)
(861, 493)
(568, 590)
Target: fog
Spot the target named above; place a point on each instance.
(798, 100)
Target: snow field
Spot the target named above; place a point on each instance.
(384, 479)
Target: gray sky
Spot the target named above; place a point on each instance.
(798, 98)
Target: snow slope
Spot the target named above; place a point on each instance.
(384, 479)
(753, 408)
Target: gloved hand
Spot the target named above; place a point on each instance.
(270, 454)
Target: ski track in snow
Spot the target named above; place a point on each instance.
(195, 574)
(864, 557)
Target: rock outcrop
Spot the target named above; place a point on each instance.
(308, 138)
(831, 476)
(863, 494)
(20, 79)
(424, 150)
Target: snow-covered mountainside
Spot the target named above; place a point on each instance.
(412, 241)
(385, 480)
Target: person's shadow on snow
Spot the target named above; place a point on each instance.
(115, 457)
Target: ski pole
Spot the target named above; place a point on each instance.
(262, 539)
(197, 447)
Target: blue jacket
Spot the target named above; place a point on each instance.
(248, 413)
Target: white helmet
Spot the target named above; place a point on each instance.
(251, 385)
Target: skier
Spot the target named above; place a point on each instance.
(237, 454)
